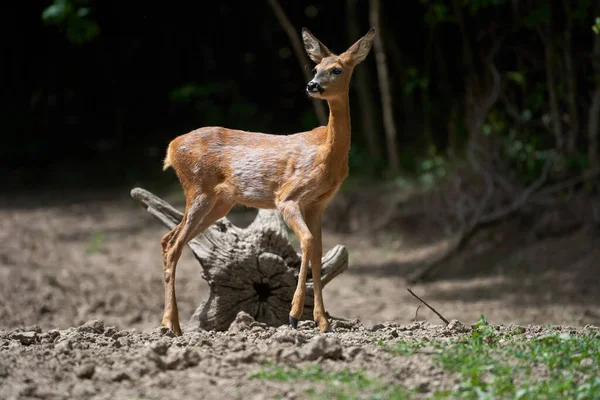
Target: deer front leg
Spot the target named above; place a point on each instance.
(313, 219)
(292, 215)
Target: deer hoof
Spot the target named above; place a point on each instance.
(293, 322)
(173, 327)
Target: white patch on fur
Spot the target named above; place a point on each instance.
(305, 163)
(252, 168)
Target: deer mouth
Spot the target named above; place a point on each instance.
(315, 92)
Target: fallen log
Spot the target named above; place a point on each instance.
(253, 269)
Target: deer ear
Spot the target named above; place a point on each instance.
(359, 50)
(313, 46)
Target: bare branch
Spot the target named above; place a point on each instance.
(569, 183)
(521, 200)
(428, 306)
(478, 220)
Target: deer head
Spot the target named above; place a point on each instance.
(333, 72)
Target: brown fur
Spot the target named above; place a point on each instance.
(297, 174)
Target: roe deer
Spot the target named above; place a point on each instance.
(298, 174)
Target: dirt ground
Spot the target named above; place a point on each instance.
(64, 264)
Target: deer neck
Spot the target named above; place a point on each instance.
(338, 127)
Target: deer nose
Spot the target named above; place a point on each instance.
(314, 87)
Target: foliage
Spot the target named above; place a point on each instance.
(414, 80)
(538, 16)
(406, 347)
(249, 81)
(436, 12)
(331, 385)
(475, 6)
(72, 17)
(216, 103)
(489, 364)
(495, 366)
(96, 243)
(431, 170)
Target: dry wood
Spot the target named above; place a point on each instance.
(588, 175)
(428, 306)
(481, 218)
(253, 269)
(483, 93)
(417, 313)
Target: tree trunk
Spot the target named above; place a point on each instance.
(300, 55)
(425, 102)
(384, 88)
(550, 82)
(466, 44)
(363, 89)
(408, 102)
(469, 72)
(571, 83)
(254, 270)
(594, 112)
(452, 146)
(453, 114)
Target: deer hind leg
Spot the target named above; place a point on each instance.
(313, 219)
(199, 215)
(292, 215)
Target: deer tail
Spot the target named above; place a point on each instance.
(167, 161)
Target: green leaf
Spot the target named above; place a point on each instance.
(516, 76)
(80, 31)
(487, 129)
(538, 16)
(82, 12)
(596, 27)
(55, 13)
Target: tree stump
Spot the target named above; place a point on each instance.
(254, 269)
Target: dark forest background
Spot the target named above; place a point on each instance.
(93, 91)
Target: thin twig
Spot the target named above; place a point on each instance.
(417, 312)
(568, 183)
(521, 200)
(479, 219)
(428, 306)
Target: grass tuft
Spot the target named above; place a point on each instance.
(342, 385)
(509, 366)
(487, 363)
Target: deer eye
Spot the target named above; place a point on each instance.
(314, 70)
(336, 71)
